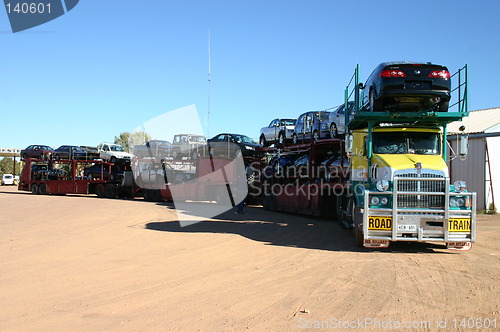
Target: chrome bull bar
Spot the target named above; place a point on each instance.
(432, 224)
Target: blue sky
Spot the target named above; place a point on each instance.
(105, 67)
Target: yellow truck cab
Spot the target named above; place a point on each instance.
(402, 192)
(400, 186)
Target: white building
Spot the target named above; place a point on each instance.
(481, 169)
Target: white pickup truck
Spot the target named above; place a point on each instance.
(113, 152)
(279, 131)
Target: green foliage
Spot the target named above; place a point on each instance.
(7, 166)
(491, 209)
(129, 139)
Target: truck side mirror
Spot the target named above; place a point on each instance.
(464, 146)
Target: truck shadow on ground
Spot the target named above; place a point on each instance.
(289, 230)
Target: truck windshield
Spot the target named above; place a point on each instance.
(407, 142)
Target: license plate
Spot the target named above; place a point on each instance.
(459, 225)
(407, 228)
(417, 86)
(380, 223)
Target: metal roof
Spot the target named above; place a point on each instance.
(480, 121)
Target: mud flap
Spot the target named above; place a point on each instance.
(372, 243)
(462, 246)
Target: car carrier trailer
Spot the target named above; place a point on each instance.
(394, 184)
(61, 177)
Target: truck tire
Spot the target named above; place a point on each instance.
(99, 191)
(358, 231)
(34, 189)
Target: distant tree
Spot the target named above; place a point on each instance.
(129, 139)
(7, 166)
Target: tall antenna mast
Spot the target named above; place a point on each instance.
(209, 81)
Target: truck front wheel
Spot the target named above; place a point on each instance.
(358, 227)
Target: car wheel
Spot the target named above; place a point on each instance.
(113, 160)
(58, 157)
(175, 155)
(25, 156)
(315, 135)
(262, 141)
(281, 138)
(333, 130)
(295, 139)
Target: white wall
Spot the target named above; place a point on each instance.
(493, 144)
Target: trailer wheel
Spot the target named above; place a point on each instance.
(266, 202)
(110, 191)
(156, 196)
(99, 190)
(146, 195)
(42, 189)
(34, 189)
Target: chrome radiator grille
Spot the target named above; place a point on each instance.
(421, 185)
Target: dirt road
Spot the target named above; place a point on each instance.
(80, 263)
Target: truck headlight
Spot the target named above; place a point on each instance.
(457, 202)
(453, 202)
(382, 185)
(460, 186)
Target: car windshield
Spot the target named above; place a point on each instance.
(288, 122)
(407, 142)
(244, 139)
(116, 148)
(197, 139)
